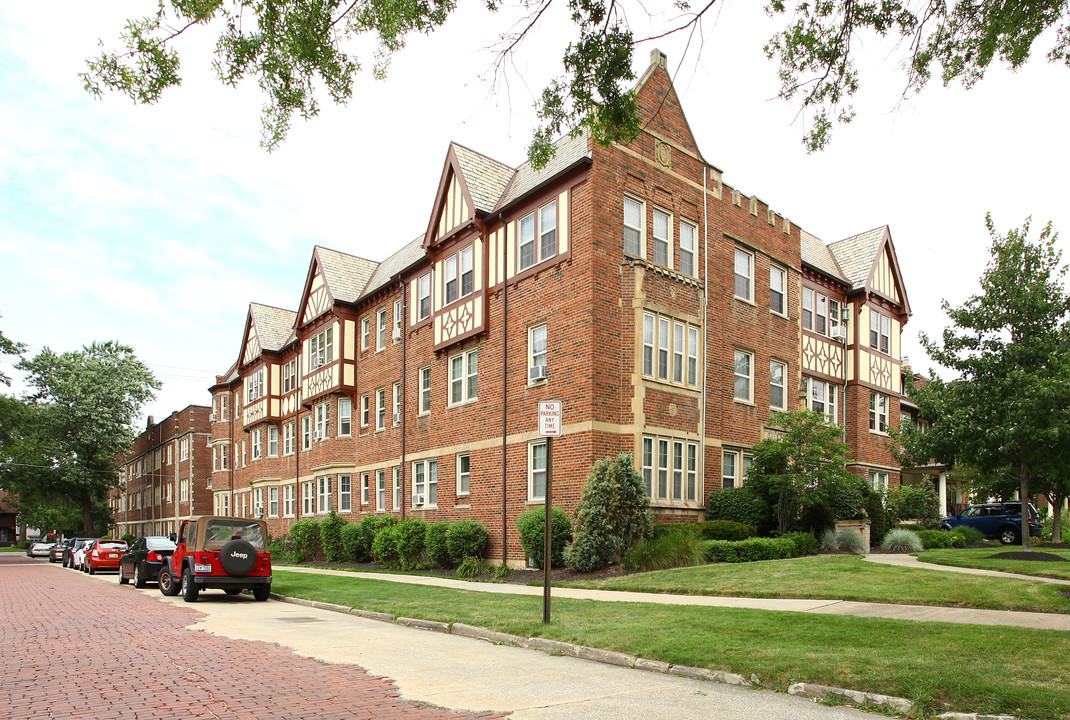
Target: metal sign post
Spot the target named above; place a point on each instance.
(549, 428)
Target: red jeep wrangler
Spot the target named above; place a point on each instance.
(227, 553)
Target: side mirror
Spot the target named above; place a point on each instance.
(172, 537)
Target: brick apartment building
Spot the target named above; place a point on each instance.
(167, 476)
(671, 314)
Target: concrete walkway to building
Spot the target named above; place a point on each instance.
(911, 561)
(924, 613)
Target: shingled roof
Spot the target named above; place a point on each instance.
(486, 178)
(346, 275)
(569, 150)
(816, 254)
(855, 255)
(274, 326)
(411, 253)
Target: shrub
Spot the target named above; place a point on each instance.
(914, 502)
(612, 515)
(901, 540)
(749, 550)
(1048, 531)
(805, 543)
(662, 529)
(878, 516)
(935, 539)
(532, 535)
(850, 497)
(970, 535)
(466, 539)
(351, 541)
(725, 530)
(410, 539)
(473, 566)
(369, 528)
(331, 536)
(282, 550)
(129, 539)
(739, 504)
(437, 552)
(679, 549)
(817, 518)
(852, 541)
(305, 536)
(385, 546)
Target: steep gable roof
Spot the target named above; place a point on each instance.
(569, 150)
(333, 276)
(485, 178)
(869, 262)
(267, 329)
(817, 255)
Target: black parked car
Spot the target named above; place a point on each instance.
(142, 562)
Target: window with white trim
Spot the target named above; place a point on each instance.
(743, 369)
(222, 504)
(423, 297)
(365, 333)
(464, 474)
(345, 493)
(425, 390)
(744, 275)
(244, 455)
(288, 492)
(688, 233)
(321, 349)
(258, 501)
(289, 376)
(669, 467)
(397, 404)
(777, 394)
(537, 470)
(670, 349)
(425, 481)
(323, 494)
(323, 424)
(735, 464)
(380, 409)
(365, 488)
(537, 235)
(273, 502)
(306, 432)
(634, 212)
(878, 480)
(536, 348)
(464, 377)
(380, 330)
(345, 416)
(365, 416)
(288, 433)
(692, 355)
(308, 498)
(678, 349)
(880, 331)
(255, 438)
(273, 441)
(222, 407)
(254, 386)
(397, 320)
(878, 412)
(396, 505)
(664, 339)
(467, 270)
(778, 288)
(380, 490)
(821, 397)
(661, 238)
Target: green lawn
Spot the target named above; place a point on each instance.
(13, 549)
(961, 667)
(977, 558)
(844, 577)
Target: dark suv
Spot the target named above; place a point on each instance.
(998, 521)
(216, 552)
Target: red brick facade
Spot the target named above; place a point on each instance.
(662, 307)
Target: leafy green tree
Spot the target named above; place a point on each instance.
(295, 47)
(79, 420)
(9, 348)
(803, 467)
(1009, 347)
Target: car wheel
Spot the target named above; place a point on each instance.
(261, 592)
(122, 578)
(139, 581)
(89, 569)
(189, 590)
(1009, 536)
(168, 585)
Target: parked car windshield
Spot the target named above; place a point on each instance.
(220, 532)
(159, 543)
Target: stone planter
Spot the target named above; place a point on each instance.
(859, 526)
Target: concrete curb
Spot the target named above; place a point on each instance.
(558, 647)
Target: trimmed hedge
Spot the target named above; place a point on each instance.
(934, 539)
(370, 526)
(532, 535)
(410, 536)
(466, 539)
(739, 504)
(749, 550)
(709, 530)
(331, 528)
(351, 541)
(437, 552)
(805, 543)
(305, 537)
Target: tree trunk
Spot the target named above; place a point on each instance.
(87, 515)
(1057, 499)
(1023, 476)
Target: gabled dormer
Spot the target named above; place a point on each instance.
(451, 293)
(268, 331)
(326, 326)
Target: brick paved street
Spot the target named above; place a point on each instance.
(136, 660)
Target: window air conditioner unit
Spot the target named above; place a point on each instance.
(397, 418)
(418, 499)
(211, 417)
(259, 512)
(536, 373)
(839, 333)
(397, 334)
(317, 435)
(317, 361)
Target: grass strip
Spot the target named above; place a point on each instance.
(978, 558)
(844, 577)
(939, 666)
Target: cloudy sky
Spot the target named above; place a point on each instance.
(156, 226)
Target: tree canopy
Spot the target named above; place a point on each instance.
(60, 446)
(299, 49)
(1007, 411)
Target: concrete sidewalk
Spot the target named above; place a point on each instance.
(911, 561)
(922, 613)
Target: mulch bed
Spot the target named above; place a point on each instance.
(1019, 555)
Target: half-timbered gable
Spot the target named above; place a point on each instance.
(268, 330)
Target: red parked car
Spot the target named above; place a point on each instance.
(104, 555)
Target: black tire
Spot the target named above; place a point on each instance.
(261, 592)
(139, 581)
(89, 569)
(167, 583)
(189, 590)
(238, 557)
(1009, 536)
(232, 591)
(123, 580)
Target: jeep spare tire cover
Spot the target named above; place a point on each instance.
(237, 557)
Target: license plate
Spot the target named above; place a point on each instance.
(113, 555)
(202, 568)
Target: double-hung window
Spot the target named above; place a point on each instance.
(308, 498)
(396, 501)
(380, 330)
(425, 481)
(670, 349)
(467, 271)
(688, 232)
(397, 404)
(273, 502)
(345, 416)
(886, 334)
(288, 500)
(425, 390)
(322, 421)
(744, 275)
(744, 376)
(663, 348)
(364, 411)
(397, 320)
(321, 349)
(254, 385)
(526, 241)
(777, 289)
(878, 412)
(464, 474)
(777, 395)
(537, 235)
(345, 493)
(365, 333)
(678, 349)
(365, 488)
(537, 470)
(256, 441)
(735, 464)
(878, 480)
(536, 350)
(380, 490)
(306, 432)
(380, 409)
(423, 297)
(648, 344)
(449, 278)
(633, 227)
(547, 230)
(660, 238)
(273, 441)
(821, 397)
(323, 494)
(464, 374)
